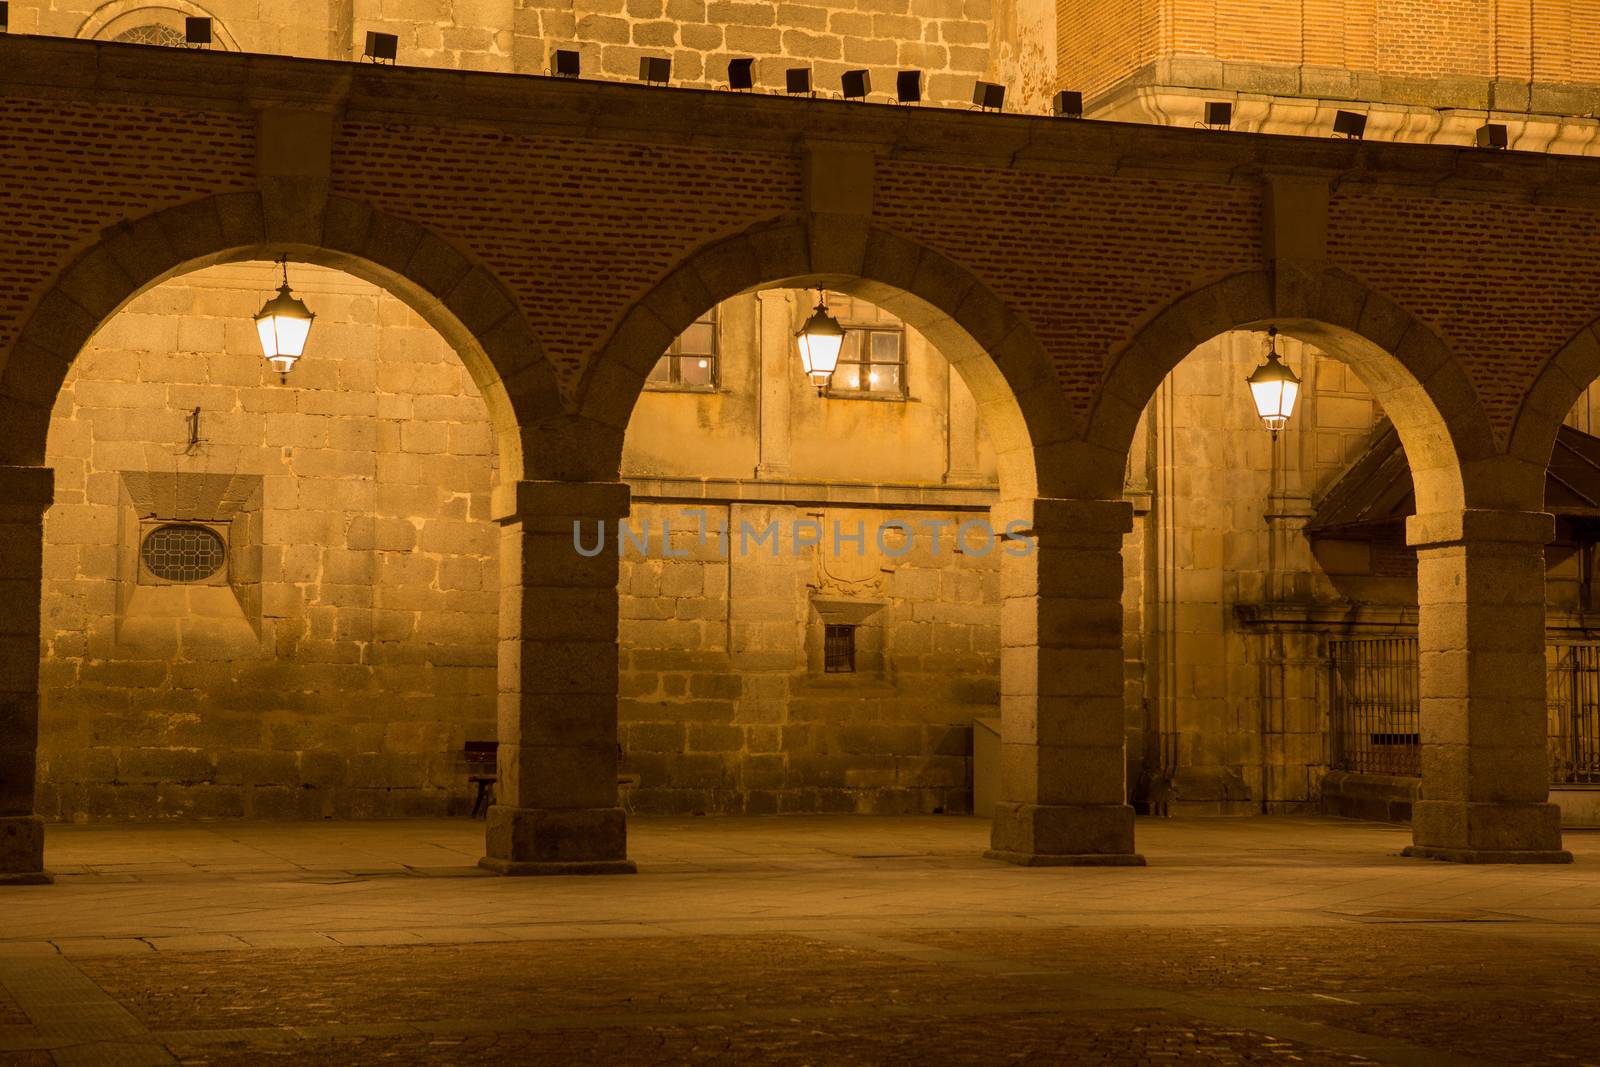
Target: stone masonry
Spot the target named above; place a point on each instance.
(348, 686)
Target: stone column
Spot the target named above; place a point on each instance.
(1063, 776)
(25, 494)
(961, 427)
(556, 809)
(775, 354)
(1481, 635)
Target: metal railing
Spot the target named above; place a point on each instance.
(1374, 711)
(1572, 689)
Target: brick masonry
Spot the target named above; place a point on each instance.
(1101, 43)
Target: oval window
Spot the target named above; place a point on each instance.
(183, 552)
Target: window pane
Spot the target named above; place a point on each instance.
(886, 347)
(662, 371)
(850, 350)
(884, 378)
(699, 339)
(847, 377)
(696, 370)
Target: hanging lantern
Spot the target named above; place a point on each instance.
(820, 340)
(1274, 387)
(283, 323)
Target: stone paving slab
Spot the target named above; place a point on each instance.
(804, 941)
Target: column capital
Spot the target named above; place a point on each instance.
(1479, 526)
(561, 502)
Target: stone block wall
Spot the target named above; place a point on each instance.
(947, 39)
(1223, 717)
(351, 652)
(726, 705)
(953, 41)
(340, 660)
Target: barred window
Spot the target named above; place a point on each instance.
(691, 361)
(872, 361)
(839, 649)
(183, 552)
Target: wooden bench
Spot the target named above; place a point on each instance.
(480, 757)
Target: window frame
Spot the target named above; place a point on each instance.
(674, 356)
(864, 331)
(149, 576)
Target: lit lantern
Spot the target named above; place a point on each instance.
(1274, 387)
(283, 323)
(820, 340)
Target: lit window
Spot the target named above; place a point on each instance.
(183, 552)
(839, 649)
(691, 361)
(872, 361)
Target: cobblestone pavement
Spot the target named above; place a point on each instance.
(794, 941)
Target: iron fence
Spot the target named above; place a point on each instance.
(1374, 710)
(1572, 689)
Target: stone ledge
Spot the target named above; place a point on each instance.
(1085, 859)
(28, 878)
(519, 867)
(799, 493)
(1482, 855)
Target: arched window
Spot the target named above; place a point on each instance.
(141, 22)
(151, 33)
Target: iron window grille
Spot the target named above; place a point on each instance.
(1375, 715)
(838, 649)
(1572, 691)
(690, 363)
(183, 552)
(872, 359)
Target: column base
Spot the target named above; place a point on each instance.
(516, 867)
(1040, 835)
(1081, 859)
(1483, 855)
(30, 878)
(548, 841)
(1463, 832)
(22, 851)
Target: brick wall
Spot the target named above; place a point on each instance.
(1103, 43)
(544, 238)
(1501, 298)
(1069, 225)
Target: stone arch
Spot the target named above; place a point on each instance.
(1561, 382)
(1433, 404)
(110, 19)
(991, 346)
(460, 299)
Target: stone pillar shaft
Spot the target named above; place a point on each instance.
(556, 808)
(25, 494)
(1063, 777)
(1481, 637)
